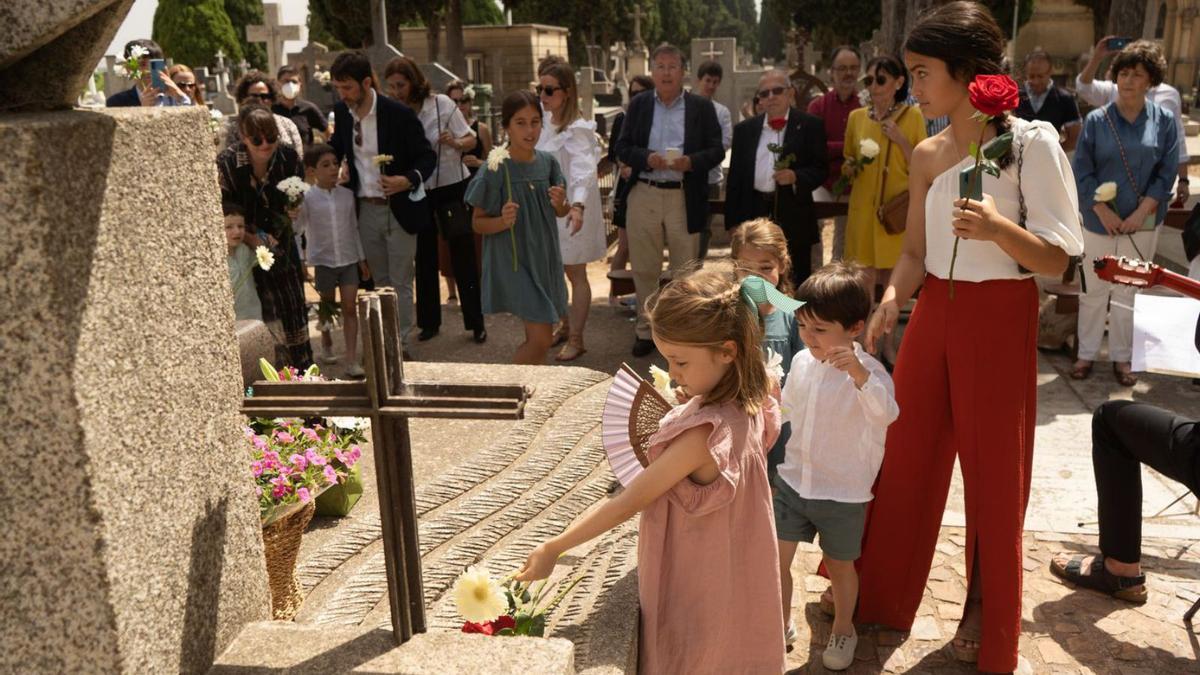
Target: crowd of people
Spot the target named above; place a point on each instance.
(853, 441)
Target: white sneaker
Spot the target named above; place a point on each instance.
(839, 653)
(789, 635)
(326, 356)
(355, 370)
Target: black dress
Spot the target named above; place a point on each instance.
(281, 288)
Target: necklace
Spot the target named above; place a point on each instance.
(871, 112)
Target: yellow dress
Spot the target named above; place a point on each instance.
(866, 241)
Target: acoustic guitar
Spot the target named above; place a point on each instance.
(1144, 275)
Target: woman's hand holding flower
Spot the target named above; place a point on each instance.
(978, 219)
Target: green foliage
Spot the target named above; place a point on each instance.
(1003, 11)
(318, 30)
(244, 13)
(831, 22)
(481, 13)
(191, 31)
(348, 22)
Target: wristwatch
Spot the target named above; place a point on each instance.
(578, 205)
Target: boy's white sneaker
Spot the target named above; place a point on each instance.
(839, 653)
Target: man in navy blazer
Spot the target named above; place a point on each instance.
(392, 207)
(756, 189)
(670, 139)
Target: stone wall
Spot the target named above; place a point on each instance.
(132, 539)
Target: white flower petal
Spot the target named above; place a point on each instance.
(478, 597)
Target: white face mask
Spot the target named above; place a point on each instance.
(289, 90)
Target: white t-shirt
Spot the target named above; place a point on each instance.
(1051, 201)
(764, 159)
(726, 120)
(439, 113)
(368, 172)
(838, 430)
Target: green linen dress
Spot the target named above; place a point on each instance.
(535, 290)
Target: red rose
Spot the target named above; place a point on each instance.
(993, 95)
(490, 627)
(504, 621)
(778, 123)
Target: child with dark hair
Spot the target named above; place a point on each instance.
(839, 402)
(328, 221)
(241, 261)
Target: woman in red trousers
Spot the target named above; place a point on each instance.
(965, 375)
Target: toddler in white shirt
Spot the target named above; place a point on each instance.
(839, 401)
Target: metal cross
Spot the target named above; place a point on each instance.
(389, 402)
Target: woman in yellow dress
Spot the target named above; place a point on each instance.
(902, 127)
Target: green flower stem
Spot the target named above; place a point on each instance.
(970, 191)
(512, 231)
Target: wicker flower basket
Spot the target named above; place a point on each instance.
(281, 543)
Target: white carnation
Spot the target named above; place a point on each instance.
(496, 158)
(1106, 192)
(868, 148)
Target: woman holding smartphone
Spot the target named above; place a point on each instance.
(966, 373)
(1132, 144)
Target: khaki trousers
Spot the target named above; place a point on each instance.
(655, 217)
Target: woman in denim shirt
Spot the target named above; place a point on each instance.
(1133, 143)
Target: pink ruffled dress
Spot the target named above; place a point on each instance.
(708, 560)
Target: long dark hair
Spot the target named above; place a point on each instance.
(967, 38)
(418, 86)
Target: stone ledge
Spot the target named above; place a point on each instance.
(254, 342)
(293, 649)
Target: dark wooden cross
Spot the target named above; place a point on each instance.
(389, 401)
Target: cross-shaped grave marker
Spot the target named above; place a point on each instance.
(273, 34)
(389, 402)
(712, 52)
(637, 15)
(381, 50)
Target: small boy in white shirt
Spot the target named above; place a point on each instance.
(329, 222)
(839, 401)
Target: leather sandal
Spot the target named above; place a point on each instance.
(1098, 578)
(1124, 377)
(561, 334)
(572, 350)
(968, 633)
(1080, 371)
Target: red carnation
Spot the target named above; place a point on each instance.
(492, 627)
(779, 123)
(993, 95)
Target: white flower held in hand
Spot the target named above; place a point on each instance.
(294, 187)
(868, 148)
(774, 365)
(381, 160)
(478, 597)
(264, 257)
(1106, 192)
(496, 158)
(138, 52)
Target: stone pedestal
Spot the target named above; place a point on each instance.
(254, 342)
(132, 538)
(639, 61)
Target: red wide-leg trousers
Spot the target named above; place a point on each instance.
(966, 386)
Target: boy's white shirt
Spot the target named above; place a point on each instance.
(838, 430)
(329, 221)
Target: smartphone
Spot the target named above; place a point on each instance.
(157, 68)
(964, 185)
(1116, 44)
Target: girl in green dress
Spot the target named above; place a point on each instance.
(516, 201)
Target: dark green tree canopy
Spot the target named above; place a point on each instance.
(244, 13)
(191, 31)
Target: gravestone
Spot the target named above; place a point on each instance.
(273, 34)
(132, 539)
(222, 101)
(113, 81)
(313, 59)
(739, 82)
(381, 50)
(638, 57)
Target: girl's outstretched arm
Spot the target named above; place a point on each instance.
(687, 453)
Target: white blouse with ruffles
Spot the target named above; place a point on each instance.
(1051, 203)
(578, 155)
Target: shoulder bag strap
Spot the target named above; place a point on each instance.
(887, 156)
(1121, 149)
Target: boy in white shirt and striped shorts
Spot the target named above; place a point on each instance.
(839, 401)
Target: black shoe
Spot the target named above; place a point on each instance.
(642, 347)
(427, 334)
(480, 335)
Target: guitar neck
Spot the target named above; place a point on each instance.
(1177, 282)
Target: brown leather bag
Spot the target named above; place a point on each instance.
(893, 213)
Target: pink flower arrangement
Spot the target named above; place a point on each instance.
(316, 458)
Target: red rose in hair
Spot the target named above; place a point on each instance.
(993, 95)
(777, 124)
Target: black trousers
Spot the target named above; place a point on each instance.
(799, 249)
(1125, 435)
(462, 260)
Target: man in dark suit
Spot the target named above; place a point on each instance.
(1042, 100)
(757, 189)
(392, 207)
(670, 139)
(142, 93)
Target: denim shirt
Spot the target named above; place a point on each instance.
(1151, 145)
(666, 131)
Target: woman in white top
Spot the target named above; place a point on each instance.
(572, 140)
(449, 134)
(966, 374)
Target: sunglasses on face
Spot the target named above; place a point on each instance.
(261, 97)
(773, 91)
(879, 80)
(262, 140)
(548, 90)
(186, 85)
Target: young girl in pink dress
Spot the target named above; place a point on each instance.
(708, 575)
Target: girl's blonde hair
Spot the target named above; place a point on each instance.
(704, 308)
(764, 235)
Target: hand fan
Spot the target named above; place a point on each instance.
(632, 412)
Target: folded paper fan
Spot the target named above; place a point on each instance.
(632, 412)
